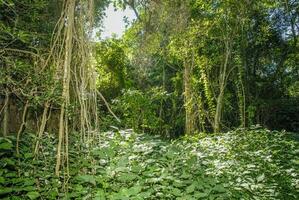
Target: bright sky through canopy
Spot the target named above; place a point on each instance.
(114, 21)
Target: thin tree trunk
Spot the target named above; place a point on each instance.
(189, 120)
(6, 114)
(218, 112)
(242, 79)
(223, 80)
(161, 101)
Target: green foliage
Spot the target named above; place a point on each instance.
(246, 164)
(153, 111)
(279, 114)
(261, 80)
(140, 110)
(13, 181)
(294, 89)
(256, 36)
(112, 66)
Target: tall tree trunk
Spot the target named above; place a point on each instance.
(189, 119)
(241, 79)
(222, 85)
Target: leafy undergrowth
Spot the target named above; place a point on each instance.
(242, 164)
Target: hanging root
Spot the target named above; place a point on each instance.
(71, 53)
(41, 128)
(21, 129)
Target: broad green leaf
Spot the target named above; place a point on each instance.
(190, 188)
(28, 182)
(6, 146)
(176, 192)
(100, 195)
(2, 180)
(134, 190)
(33, 195)
(200, 194)
(219, 188)
(29, 188)
(261, 178)
(87, 179)
(5, 190)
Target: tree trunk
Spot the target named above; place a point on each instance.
(242, 79)
(218, 113)
(6, 114)
(189, 120)
(222, 85)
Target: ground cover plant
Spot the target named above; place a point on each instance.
(240, 164)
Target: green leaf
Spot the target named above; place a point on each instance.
(261, 178)
(87, 179)
(10, 162)
(190, 188)
(5, 190)
(200, 194)
(28, 155)
(127, 177)
(53, 194)
(296, 162)
(29, 188)
(123, 162)
(219, 188)
(33, 195)
(2, 180)
(28, 182)
(176, 192)
(6, 146)
(136, 168)
(134, 190)
(145, 195)
(100, 195)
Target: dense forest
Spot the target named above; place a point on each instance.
(198, 99)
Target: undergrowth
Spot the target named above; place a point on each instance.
(241, 164)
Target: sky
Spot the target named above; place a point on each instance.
(114, 23)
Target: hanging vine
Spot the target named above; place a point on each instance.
(71, 58)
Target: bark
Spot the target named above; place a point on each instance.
(189, 120)
(222, 85)
(218, 112)
(6, 114)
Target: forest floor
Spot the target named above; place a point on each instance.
(241, 164)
